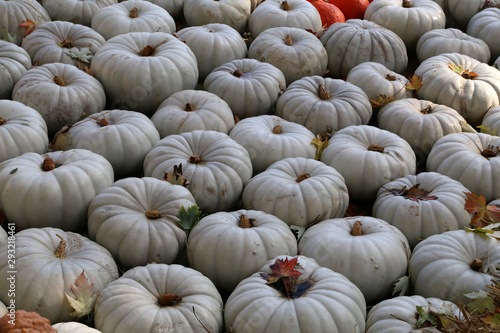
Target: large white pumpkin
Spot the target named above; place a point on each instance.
(53, 189)
(50, 259)
(216, 166)
(139, 70)
(159, 297)
(15, 12)
(492, 119)
(485, 26)
(14, 62)
(75, 11)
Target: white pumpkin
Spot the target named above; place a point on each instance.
(52, 259)
(485, 25)
(324, 105)
(61, 93)
(375, 79)
(422, 205)
(296, 52)
(299, 191)
(75, 11)
(284, 13)
(3, 236)
(136, 220)
(355, 149)
(54, 41)
(159, 297)
(74, 327)
(123, 137)
(492, 119)
(15, 12)
(139, 70)
(216, 166)
(249, 86)
(471, 262)
(53, 189)
(227, 247)
(420, 122)
(3, 309)
(370, 252)
(22, 130)
(173, 7)
(234, 13)
(190, 110)
(451, 40)
(350, 43)
(326, 301)
(409, 19)
(269, 138)
(213, 44)
(447, 79)
(132, 16)
(14, 62)
(459, 12)
(402, 314)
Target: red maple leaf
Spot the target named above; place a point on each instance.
(29, 25)
(482, 214)
(283, 272)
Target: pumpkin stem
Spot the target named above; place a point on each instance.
(390, 77)
(195, 159)
(189, 107)
(59, 81)
(489, 153)
(476, 264)
(323, 93)
(427, 110)
(302, 177)
(2, 121)
(356, 229)
(277, 129)
(65, 44)
(375, 147)
(48, 164)
(61, 249)
(133, 12)
(103, 122)
(245, 222)
(406, 4)
(288, 40)
(285, 5)
(148, 51)
(238, 73)
(169, 300)
(153, 214)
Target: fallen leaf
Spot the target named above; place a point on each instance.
(482, 214)
(84, 300)
(29, 25)
(415, 83)
(188, 218)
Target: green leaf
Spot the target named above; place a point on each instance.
(481, 301)
(13, 171)
(84, 54)
(488, 130)
(401, 286)
(188, 218)
(425, 319)
(8, 37)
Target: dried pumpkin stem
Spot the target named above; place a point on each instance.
(60, 82)
(288, 40)
(2, 121)
(302, 177)
(375, 147)
(285, 5)
(103, 122)
(489, 153)
(133, 12)
(406, 4)
(61, 248)
(323, 93)
(390, 77)
(426, 110)
(189, 107)
(238, 73)
(169, 300)
(149, 50)
(195, 159)
(476, 264)
(48, 164)
(245, 222)
(356, 229)
(153, 214)
(277, 129)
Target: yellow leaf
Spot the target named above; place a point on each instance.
(320, 143)
(415, 83)
(84, 300)
(381, 100)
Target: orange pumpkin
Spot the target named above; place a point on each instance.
(352, 9)
(329, 13)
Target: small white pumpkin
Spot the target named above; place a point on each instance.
(54, 41)
(52, 259)
(249, 86)
(132, 16)
(213, 44)
(350, 43)
(227, 247)
(75, 11)
(327, 300)
(370, 252)
(15, 12)
(14, 62)
(324, 105)
(22, 130)
(492, 119)
(460, 82)
(123, 137)
(296, 52)
(451, 40)
(215, 165)
(270, 138)
(3, 236)
(139, 70)
(159, 297)
(234, 13)
(299, 191)
(3, 309)
(61, 93)
(422, 205)
(53, 189)
(355, 149)
(485, 25)
(190, 110)
(471, 262)
(471, 158)
(136, 220)
(402, 314)
(284, 13)
(376, 79)
(459, 12)
(74, 327)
